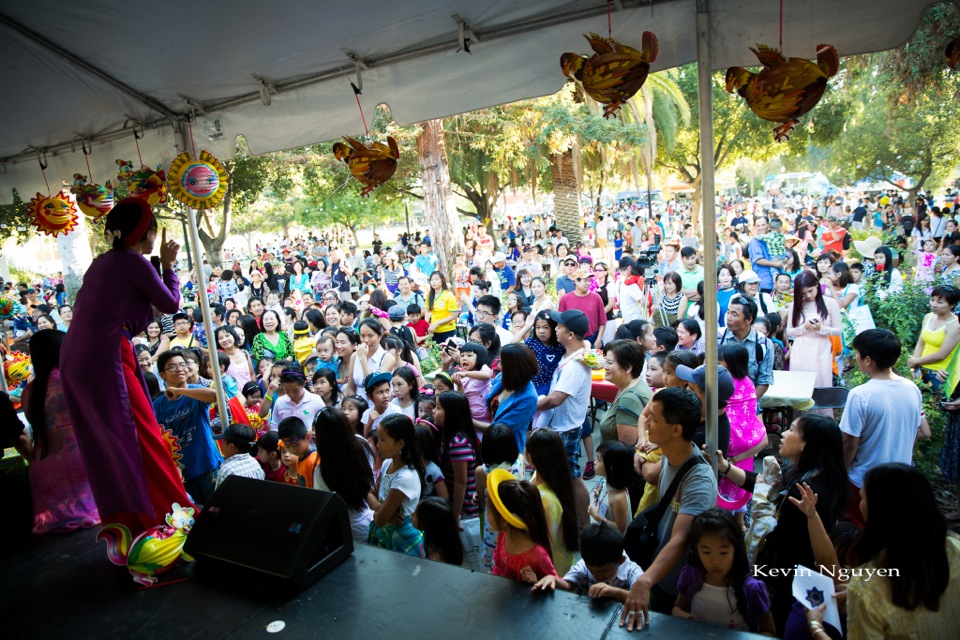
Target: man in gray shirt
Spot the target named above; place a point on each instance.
(672, 418)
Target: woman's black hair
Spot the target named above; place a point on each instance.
(406, 374)
(315, 318)
(344, 466)
(548, 455)
(48, 318)
(735, 358)
(275, 315)
(153, 384)
(618, 463)
(687, 358)
(720, 523)
(224, 328)
(371, 323)
(948, 293)
(45, 357)
(692, 326)
(243, 437)
(231, 312)
(250, 329)
(842, 270)
(125, 218)
(632, 330)
(400, 427)
(518, 366)
(523, 500)
(352, 334)
(488, 333)
(457, 420)
(331, 377)
(483, 356)
(806, 280)
(822, 453)
(441, 534)
(428, 437)
(392, 341)
(914, 550)
(499, 445)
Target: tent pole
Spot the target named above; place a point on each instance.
(207, 316)
(709, 220)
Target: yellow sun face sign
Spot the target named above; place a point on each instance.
(198, 183)
(54, 214)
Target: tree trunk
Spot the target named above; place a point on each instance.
(356, 239)
(438, 203)
(566, 195)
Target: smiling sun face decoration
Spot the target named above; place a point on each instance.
(54, 214)
(198, 183)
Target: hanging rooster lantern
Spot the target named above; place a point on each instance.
(786, 88)
(149, 185)
(198, 183)
(54, 214)
(371, 166)
(155, 551)
(953, 52)
(614, 73)
(93, 200)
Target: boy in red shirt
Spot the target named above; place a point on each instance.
(417, 323)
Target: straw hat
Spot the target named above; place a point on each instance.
(868, 246)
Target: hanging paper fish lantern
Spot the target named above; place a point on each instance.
(92, 199)
(786, 88)
(149, 185)
(371, 166)
(53, 214)
(614, 73)
(198, 183)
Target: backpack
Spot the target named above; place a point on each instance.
(846, 241)
(405, 334)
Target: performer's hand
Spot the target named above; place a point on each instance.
(168, 251)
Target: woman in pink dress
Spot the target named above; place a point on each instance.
(747, 434)
(62, 500)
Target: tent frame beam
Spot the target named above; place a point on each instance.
(76, 61)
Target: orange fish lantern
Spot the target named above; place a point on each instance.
(149, 185)
(953, 52)
(614, 73)
(93, 200)
(371, 166)
(54, 214)
(786, 88)
(198, 183)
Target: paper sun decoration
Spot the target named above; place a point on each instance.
(614, 73)
(93, 200)
(198, 183)
(54, 214)
(786, 88)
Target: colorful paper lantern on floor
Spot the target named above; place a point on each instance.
(155, 551)
(786, 88)
(93, 200)
(54, 214)
(199, 183)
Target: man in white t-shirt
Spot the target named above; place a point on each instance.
(881, 417)
(569, 395)
(630, 295)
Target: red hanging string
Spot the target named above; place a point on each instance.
(609, 21)
(781, 26)
(366, 129)
(192, 145)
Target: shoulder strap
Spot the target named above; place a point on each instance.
(674, 485)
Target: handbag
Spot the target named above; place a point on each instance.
(641, 539)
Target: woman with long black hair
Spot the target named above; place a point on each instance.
(547, 455)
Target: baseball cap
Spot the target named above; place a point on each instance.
(748, 276)
(698, 377)
(499, 257)
(570, 262)
(573, 319)
(396, 312)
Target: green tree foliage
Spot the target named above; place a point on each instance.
(15, 220)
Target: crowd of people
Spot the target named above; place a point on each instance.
(439, 408)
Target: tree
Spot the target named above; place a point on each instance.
(438, 202)
(15, 220)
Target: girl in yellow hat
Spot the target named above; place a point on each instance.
(515, 510)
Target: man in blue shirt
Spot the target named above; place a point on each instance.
(185, 410)
(426, 262)
(741, 312)
(765, 267)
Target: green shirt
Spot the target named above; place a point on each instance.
(690, 279)
(626, 409)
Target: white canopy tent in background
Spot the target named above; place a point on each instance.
(279, 73)
(165, 60)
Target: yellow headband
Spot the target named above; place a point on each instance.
(494, 480)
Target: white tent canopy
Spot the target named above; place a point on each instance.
(87, 71)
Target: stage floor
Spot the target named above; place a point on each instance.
(63, 586)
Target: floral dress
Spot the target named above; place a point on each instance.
(746, 431)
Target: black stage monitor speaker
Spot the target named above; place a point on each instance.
(270, 532)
